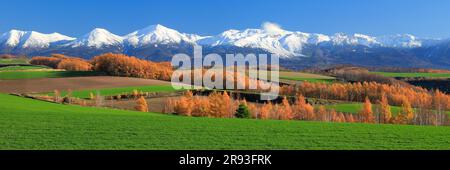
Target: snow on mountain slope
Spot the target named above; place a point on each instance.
(31, 39)
(253, 38)
(269, 37)
(399, 40)
(355, 39)
(97, 38)
(155, 34)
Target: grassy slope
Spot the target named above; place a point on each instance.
(42, 125)
(119, 90)
(20, 68)
(11, 75)
(429, 75)
(356, 107)
(312, 80)
(13, 61)
(299, 76)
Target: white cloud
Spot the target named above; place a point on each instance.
(272, 28)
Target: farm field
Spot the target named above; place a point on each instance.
(45, 85)
(412, 75)
(356, 107)
(13, 75)
(43, 125)
(312, 80)
(119, 90)
(19, 68)
(299, 76)
(13, 61)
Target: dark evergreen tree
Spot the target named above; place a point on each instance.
(242, 111)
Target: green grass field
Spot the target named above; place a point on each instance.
(12, 75)
(411, 75)
(356, 107)
(13, 61)
(118, 90)
(299, 76)
(31, 124)
(20, 68)
(312, 80)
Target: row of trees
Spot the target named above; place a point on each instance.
(112, 64)
(222, 105)
(409, 70)
(7, 56)
(59, 61)
(214, 105)
(357, 92)
(123, 65)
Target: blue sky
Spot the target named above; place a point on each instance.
(423, 18)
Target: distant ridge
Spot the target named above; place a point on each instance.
(158, 42)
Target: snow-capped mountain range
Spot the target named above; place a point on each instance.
(31, 39)
(160, 40)
(271, 38)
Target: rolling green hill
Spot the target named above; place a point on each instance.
(411, 75)
(299, 76)
(356, 107)
(13, 75)
(20, 68)
(118, 90)
(13, 61)
(31, 124)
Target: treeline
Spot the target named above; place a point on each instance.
(222, 105)
(408, 70)
(357, 92)
(356, 74)
(7, 56)
(59, 61)
(348, 67)
(123, 65)
(109, 63)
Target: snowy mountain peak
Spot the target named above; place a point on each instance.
(270, 37)
(12, 38)
(97, 38)
(400, 40)
(355, 39)
(31, 39)
(158, 34)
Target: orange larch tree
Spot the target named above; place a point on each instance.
(366, 112)
(141, 105)
(385, 112)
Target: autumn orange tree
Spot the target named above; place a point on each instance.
(266, 110)
(357, 92)
(74, 64)
(218, 104)
(60, 61)
(45, 61)
(7, 56)
(385, 111)
(303, 110)
(221, 105)
(123, 65)
(406, 114)
(366, 112)
(141, 104)
(285, 110)
(184, 105)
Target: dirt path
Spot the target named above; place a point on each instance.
(73, 83)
